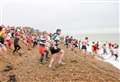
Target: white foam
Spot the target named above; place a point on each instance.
(107, 58)
(111, 59)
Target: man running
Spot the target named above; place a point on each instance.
(56, 51)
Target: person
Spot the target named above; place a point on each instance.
(8, 40)
(70, 41)
(110, 46)
(34, 40)
(42, 47)
(28, 40)
(2, 34)
(115, 51)
(72, 44)
(16, 43)
(66, 41)
(79, 44)
(104, 49)
(97, 46)
(56, 51)
(76, 43)
(94, 48)
(84, 44)
(42, 51)
(47, 45)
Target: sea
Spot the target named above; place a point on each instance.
(101, 37)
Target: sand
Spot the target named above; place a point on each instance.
(78, 68)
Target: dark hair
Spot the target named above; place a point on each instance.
(104, 44)
(86, 38)
(58, 30)
(117, 46)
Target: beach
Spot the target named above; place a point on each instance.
(77, 68)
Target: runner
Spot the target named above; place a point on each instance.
(2, 34)
(97, 46)
(8, 40)
(70, 42)
(56, 51)
(84, 44)
(43, 41)
(29, 40)
(42, 48)
(34, 40)
(66, 41)
(79, 44)
(16, 42)
(104, 49)
(94, 49)
(47, 45)
(115, 51)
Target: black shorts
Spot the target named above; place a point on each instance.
(115, 55)
(75, 45)
(84, 47)
(53, 50)
(2, 40)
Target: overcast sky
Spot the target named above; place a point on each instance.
(72, 16)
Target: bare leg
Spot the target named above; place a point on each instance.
(1, 51)
(61, 54)
(52, 60)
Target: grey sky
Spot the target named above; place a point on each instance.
(71, 15)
